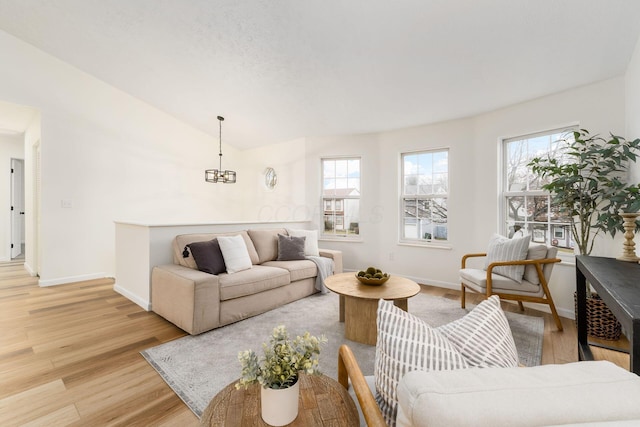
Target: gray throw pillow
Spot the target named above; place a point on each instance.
(208, 256)
(290, 248)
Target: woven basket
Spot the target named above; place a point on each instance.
(601, 323)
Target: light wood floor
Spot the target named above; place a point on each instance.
(69, 355)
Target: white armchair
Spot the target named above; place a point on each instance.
(533, 288)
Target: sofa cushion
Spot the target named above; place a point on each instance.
(504, 249)
(407, 343)
(208, 256)
(266, 243)
(234, 252)
(311, 240)
(298, 270)
(290, 248)
(183, 240)
(247, 282)
(579, 392)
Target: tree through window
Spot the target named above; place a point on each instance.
(528, 209)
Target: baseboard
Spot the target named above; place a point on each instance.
(71, 279)
(30, 270)
(146, 305)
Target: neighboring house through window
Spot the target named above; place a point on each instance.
(527, 208)
(425, 190)
(341, 196)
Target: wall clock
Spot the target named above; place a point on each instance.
(270, 178)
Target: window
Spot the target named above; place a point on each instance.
(341, 196)
(425, 189)
(527, 208)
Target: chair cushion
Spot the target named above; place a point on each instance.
(504, 249)
(477, 280)
(407, 343)
(534, 252)
(579, 392)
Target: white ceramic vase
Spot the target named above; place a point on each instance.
(279, 406)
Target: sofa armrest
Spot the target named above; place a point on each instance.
(336, 256)
(188, 298)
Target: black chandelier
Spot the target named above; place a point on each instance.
(219, 175)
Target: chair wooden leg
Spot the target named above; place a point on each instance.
(462, 296)
(520, 305)
(552, 306)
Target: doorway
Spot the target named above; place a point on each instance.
(17, 209)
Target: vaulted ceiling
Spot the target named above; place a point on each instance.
(283, 69)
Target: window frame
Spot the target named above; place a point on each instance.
(403, 197)
(341, 202)
(506, 223)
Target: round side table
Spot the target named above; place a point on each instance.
(323, 402)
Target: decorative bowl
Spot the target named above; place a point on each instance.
(372, 281)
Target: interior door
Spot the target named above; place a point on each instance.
(17, 207)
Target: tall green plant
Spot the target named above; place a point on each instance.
(588, 183)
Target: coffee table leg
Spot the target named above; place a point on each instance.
(402, 304)
(360, 322)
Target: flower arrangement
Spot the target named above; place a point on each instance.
(282, 361)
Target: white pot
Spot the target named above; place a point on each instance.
(279, 406)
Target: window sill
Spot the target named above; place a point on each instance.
(444, 246)
(341, 239)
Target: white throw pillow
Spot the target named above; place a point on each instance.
(406, 343)
(310, 241)
(235, 254)
(504, 249)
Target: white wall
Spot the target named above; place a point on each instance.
(285, 202)
(474, 161)
(11, 147)
(632, 103)
(112, 156)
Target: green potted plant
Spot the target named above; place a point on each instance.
(587, 183)
(278, 370)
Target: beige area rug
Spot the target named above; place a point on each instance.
(198, 367)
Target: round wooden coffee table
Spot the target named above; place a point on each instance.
(322, 402)
(359, 302)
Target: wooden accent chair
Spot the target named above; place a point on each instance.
(535, 289)
(348, 369)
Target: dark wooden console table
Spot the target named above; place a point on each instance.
(618, 284)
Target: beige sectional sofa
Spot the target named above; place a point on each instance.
(198, 302)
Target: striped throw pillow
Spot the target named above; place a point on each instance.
(483, 336)
(504, 249)
(407, 343)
